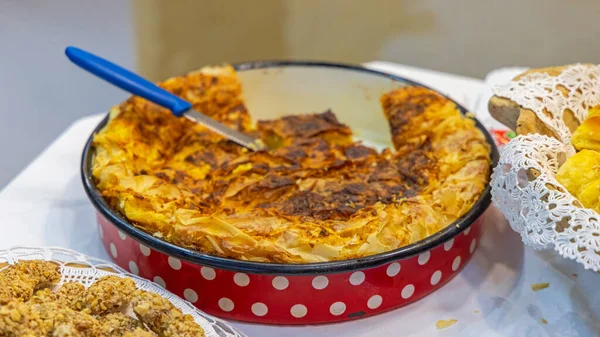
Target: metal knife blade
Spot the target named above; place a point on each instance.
(225, 131)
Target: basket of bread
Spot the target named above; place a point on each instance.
(547, 181)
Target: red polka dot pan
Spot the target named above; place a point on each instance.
(272, 293)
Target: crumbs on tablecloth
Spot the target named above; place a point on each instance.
(475, 311)
(445, 323)
(539, 286)
(544, 321)
(574, 275)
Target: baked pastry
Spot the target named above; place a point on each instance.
(587, 135)
(30, 307)
(316, 196)
(579, 174)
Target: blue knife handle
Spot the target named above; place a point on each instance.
(127, 80)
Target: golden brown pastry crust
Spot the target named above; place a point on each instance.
(317, 196)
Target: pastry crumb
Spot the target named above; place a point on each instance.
(476, 311)
(539, 286)
(574, 275)
(445, 323)
(544, 321)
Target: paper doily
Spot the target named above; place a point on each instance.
(524, 186)
(71, 263)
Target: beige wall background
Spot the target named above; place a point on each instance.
(469, 37)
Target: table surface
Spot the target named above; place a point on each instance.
(46, 206)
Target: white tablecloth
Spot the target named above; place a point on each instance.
(46, 206)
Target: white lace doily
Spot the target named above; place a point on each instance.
(524, 186)
(71, 270)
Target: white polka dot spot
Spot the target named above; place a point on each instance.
(280, 282)
(113, 250)
(436, 277)
(393, 269)
(337, 308)
(259, 309)
(408, 291)
(320, 282)
(473, 245)
(174, 263)
(374, 302)
(208, 273)
(298, 310)
(357, 278)
(467, 231)
(190, 295)
(134, 268)
(424, 258)
(226, 304)
(456, 263)
(448, 244)
(121, 235)
(159, 280)
(241, 279)
(145, 250)
(101, 232)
